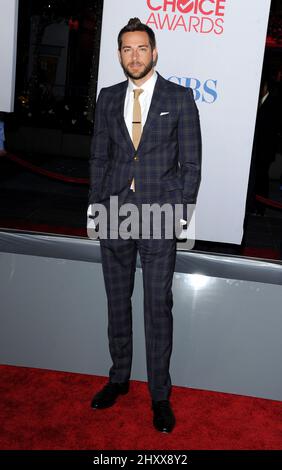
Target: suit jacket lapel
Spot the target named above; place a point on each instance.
(126, 142)
(156, 107)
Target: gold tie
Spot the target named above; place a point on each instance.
(136, 124)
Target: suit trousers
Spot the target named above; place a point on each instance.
(119, 265)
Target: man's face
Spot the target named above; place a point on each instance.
(136, 55)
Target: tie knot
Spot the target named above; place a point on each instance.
(137, 92)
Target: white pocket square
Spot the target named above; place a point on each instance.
(163, 114)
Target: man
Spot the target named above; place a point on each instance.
(266, 137)
(146, 149)
(265, 144)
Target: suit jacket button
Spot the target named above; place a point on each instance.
(136, 158)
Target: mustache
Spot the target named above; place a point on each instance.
(135, 63)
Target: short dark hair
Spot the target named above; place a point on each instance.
(134, 24)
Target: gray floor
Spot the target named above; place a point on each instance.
(227, 320)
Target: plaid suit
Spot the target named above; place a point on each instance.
(167, 169)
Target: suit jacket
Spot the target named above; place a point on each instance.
(167, 164)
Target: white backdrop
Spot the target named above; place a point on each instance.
(216, 47)
(8, 44)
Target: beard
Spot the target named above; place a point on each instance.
(138, 74)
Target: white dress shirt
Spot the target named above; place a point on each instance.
(144, 99)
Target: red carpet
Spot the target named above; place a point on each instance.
(47, 410)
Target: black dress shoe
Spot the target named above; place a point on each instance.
(108, 395)
(164, 420)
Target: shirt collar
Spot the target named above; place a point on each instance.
(147, 86)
